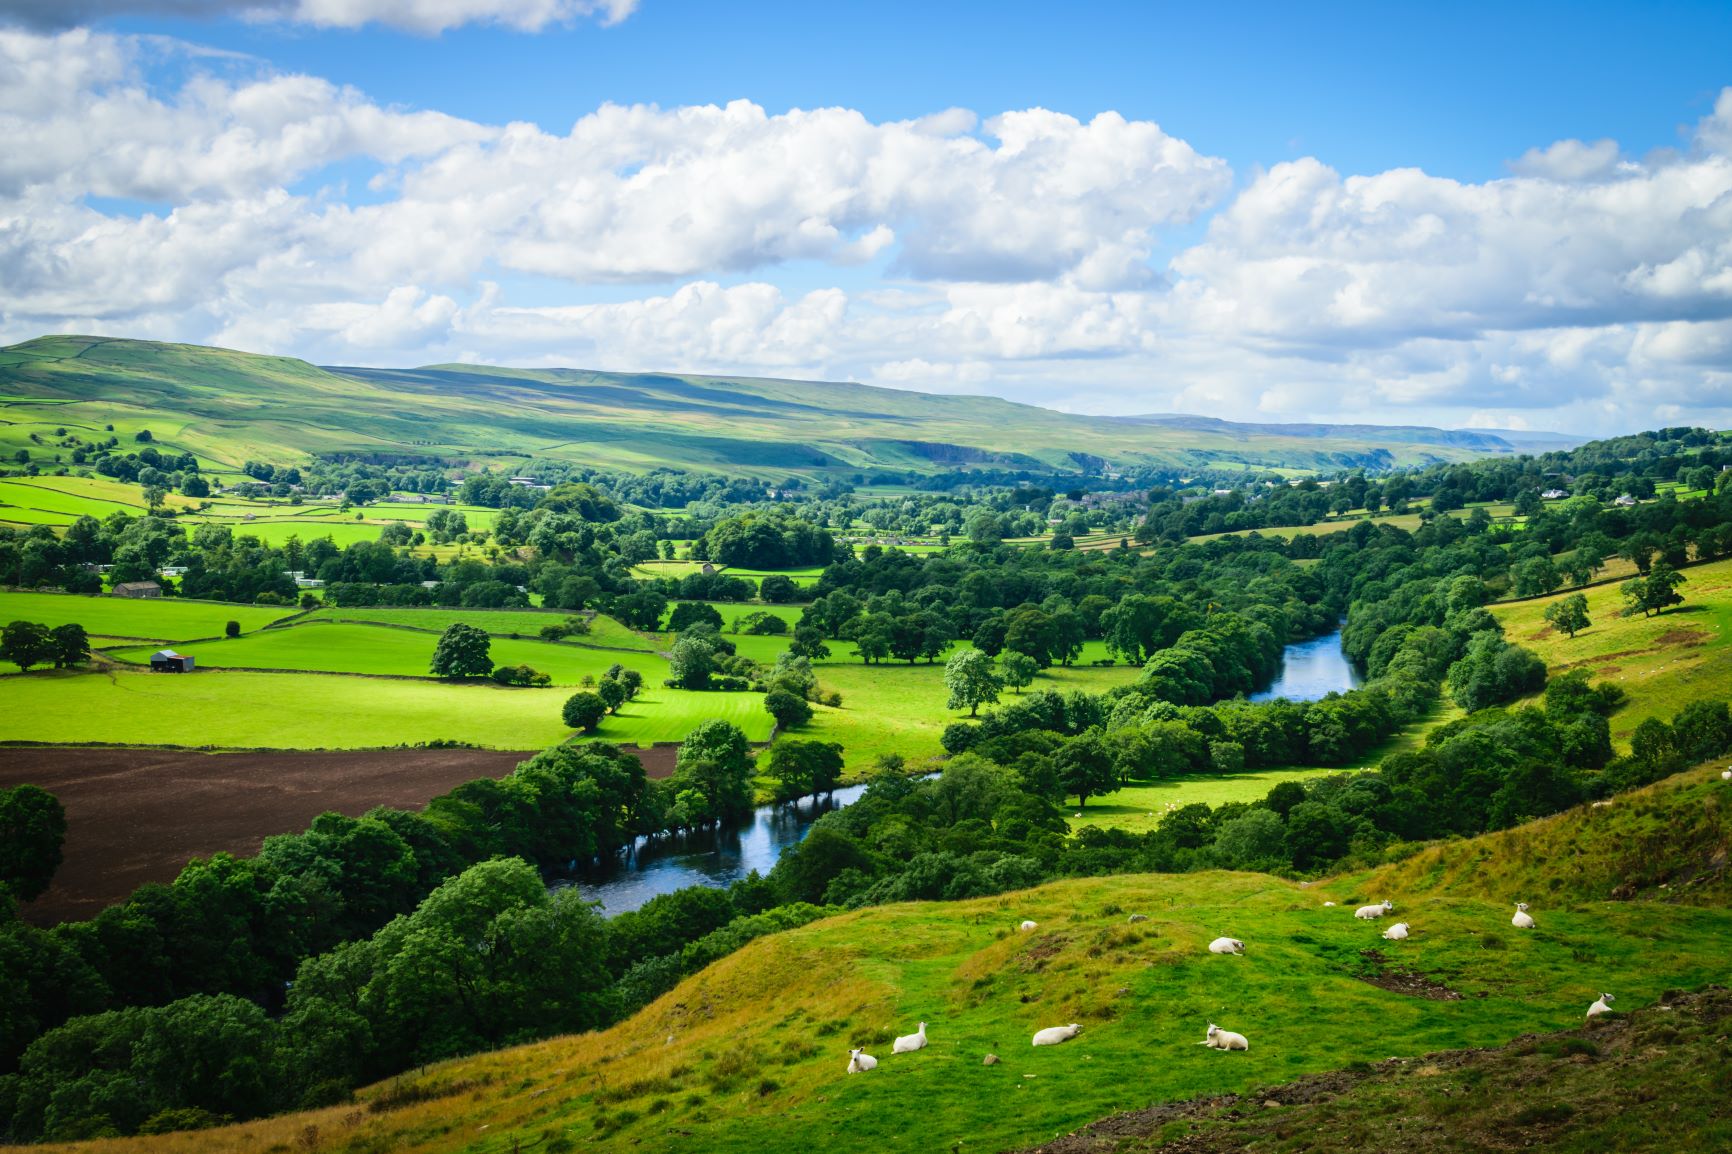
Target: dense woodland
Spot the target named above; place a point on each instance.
(361, 946)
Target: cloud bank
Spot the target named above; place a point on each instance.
(1013, 254)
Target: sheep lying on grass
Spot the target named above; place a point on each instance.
(1053, 1035)
(1603, 1006)
(1219, 1039)
(1376, 911)
(908, 1043)
(1522, 920)
(859, 1061)
(1226, 946)
(1397, 932)
(1026, 926)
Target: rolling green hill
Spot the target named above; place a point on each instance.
(230, 406)
(749, 1054)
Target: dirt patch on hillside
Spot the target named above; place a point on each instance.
(137, 815)
(1399, 979)
(1683, 637)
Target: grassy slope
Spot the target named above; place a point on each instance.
(227, 406)
(1654, 1080)
(749, 1054)
(1661, 662)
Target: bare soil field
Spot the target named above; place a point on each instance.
(137, 815)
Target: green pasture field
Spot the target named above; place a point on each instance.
(761, 1069)
(1140, 806)
(662, 714)
(320, 647)
(1662, 662)
(160, 619)
(899, 708)
(241, 710)
(247, 710)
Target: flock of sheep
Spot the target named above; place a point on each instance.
(859, 1061)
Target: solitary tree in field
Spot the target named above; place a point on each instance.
(462, 652)
(1655, 593)
(1569, 615)
(26, 643)
(1017, 670)
(971, 680)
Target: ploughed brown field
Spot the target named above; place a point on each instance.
(137, 815)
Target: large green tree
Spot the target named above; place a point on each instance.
(26, 643)
(1569, 614)
(971, 680)
(462, 652)
(32, 829)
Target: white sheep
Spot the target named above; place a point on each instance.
(859, 1061)
(1219, 1039)
(1603, 1006)
(1522, 920)
(1053, 1035)
(908, 1043)
(1226, 946)
(1726, 775)
(1326, 905)
(1397, 932)
(1376, 911)
(1026, 926)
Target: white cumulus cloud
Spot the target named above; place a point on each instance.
(1585, 290)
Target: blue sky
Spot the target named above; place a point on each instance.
(1333, 220)
(1457, 89)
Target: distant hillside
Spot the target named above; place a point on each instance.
(230, 406)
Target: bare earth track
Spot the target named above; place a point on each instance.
(137, 815)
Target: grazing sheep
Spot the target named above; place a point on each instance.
(908, 1043)
(1397, 932)
(1219, 1039)
(859, 1061)
(1025, 927)
(1326, 905)
(1226, 946)
(1603, 1006)
(1726, 775)
(1522, 920)
(1376, 911)
(1053, 1035)
(1138, 918)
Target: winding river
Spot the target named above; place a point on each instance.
(1309, 670)
(716, 858)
